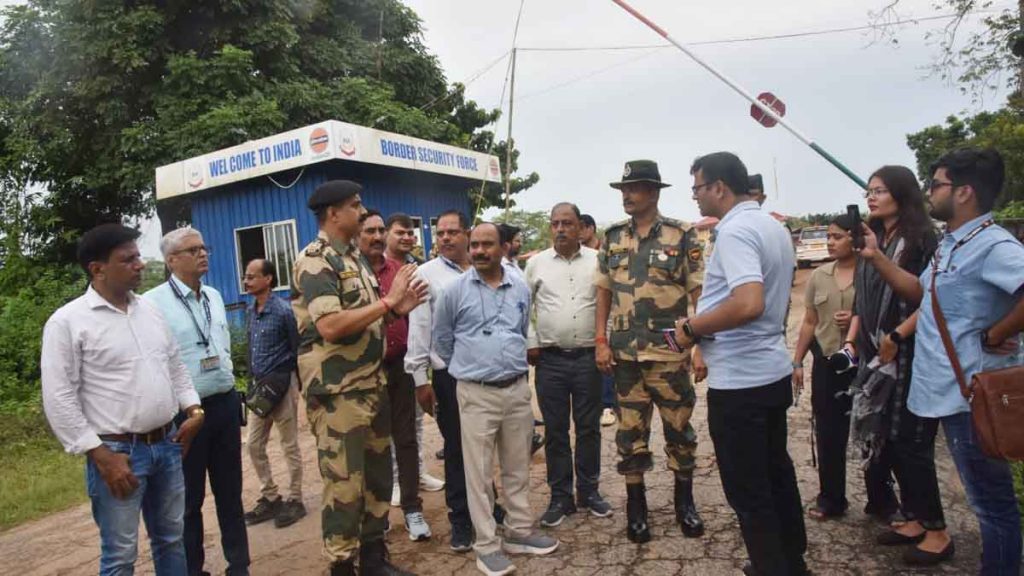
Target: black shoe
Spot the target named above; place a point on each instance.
(499, 514)
(556, 513)
(686, 511)
(373, 561)
(637, 529)
(439, 454)
(461, 538)
(346, 568)
(264, 510)
(536, 444)
(291, 512)
(748, 570)
(893, 538)
(597, 505)
(917, 557)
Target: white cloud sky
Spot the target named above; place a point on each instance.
(856, 98)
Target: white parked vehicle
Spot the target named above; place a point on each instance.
(812, 246)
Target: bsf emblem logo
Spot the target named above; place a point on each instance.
(626, 171)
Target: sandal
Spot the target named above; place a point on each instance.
(818, 513)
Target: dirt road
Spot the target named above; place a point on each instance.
(67, 542)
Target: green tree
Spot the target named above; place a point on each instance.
(95, 95)
(535, 228)
(1002, 130)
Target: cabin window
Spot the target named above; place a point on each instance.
(275, 241)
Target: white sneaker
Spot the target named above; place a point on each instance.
(417, 526)
(608, 417)
(430, 484)
(396, 496)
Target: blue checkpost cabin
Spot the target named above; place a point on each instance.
(249, 201)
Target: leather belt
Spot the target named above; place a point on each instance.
(151, 437)
(569, 352)
(499, 383)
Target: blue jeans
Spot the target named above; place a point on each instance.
(608, 397)
(161, 499)
(989, 486)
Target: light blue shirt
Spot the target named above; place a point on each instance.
(479, 331)
(977, 285)
(210, 382)
(750, 247)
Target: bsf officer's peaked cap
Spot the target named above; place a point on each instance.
(332, 192)
(640, 171)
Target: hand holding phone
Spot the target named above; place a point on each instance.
(853, 213)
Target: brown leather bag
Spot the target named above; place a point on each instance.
(996, 398)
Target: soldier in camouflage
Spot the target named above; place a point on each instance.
(340, 316)
(649, 268)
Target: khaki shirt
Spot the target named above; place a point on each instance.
(824, 295)
(330, 277)
(650, 279)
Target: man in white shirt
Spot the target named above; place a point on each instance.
(739, 325)
(452, 238)
(561, 347)
(112, 383)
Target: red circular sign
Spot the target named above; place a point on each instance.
(318, 140)
(772, 101)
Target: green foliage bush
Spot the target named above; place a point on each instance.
(29, 294)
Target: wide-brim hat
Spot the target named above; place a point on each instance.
(640, 171)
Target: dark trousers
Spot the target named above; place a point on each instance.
(912, 454)
(569, 386)
(451, 432)
(217, 451)
(831, 403)
(748, 428)
(402, 394)
(608, 396)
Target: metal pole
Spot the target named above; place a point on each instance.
(728, 81)
(508, 141)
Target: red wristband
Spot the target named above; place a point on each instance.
(600, 340)
(386, 307)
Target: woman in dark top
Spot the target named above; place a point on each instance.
(900, 237)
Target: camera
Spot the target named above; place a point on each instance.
(842, 362)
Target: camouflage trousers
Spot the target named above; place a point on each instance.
(353, 444)
(640, 386)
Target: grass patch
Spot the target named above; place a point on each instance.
(1018, 484)
(38, 478)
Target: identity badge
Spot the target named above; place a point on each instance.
(209, 364)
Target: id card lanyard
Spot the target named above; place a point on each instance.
(211, 361)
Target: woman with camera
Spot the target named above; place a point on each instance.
(828, 306)
(898, 244)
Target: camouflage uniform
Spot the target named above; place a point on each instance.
(346, 399)
(650, 279)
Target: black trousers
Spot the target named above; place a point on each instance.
(402, 394)
(912, 457)
(217, 451)
(831, 403)
(451, 431)
(748, 428)
(569, 387)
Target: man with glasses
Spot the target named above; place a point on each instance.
(561, 347)
(650, 266)
(197, 318)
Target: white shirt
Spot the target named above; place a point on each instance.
(750, 247)
(105, 371)
(438, 273)
(563, 299)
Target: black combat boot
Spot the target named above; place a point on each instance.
(373, 561)
(686, 511)
(344, 568)
(637, 529)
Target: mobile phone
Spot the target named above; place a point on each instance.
(853, 212)
(669, 334)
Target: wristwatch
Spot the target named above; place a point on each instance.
(197, 411)
(688, 330)
(896, 337)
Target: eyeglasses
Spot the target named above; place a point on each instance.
(875, 192)
(937, 185)
(696, 189)
(195, 250)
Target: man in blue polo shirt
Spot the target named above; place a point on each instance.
(196, 316)
(979, 277)
(740, 317)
